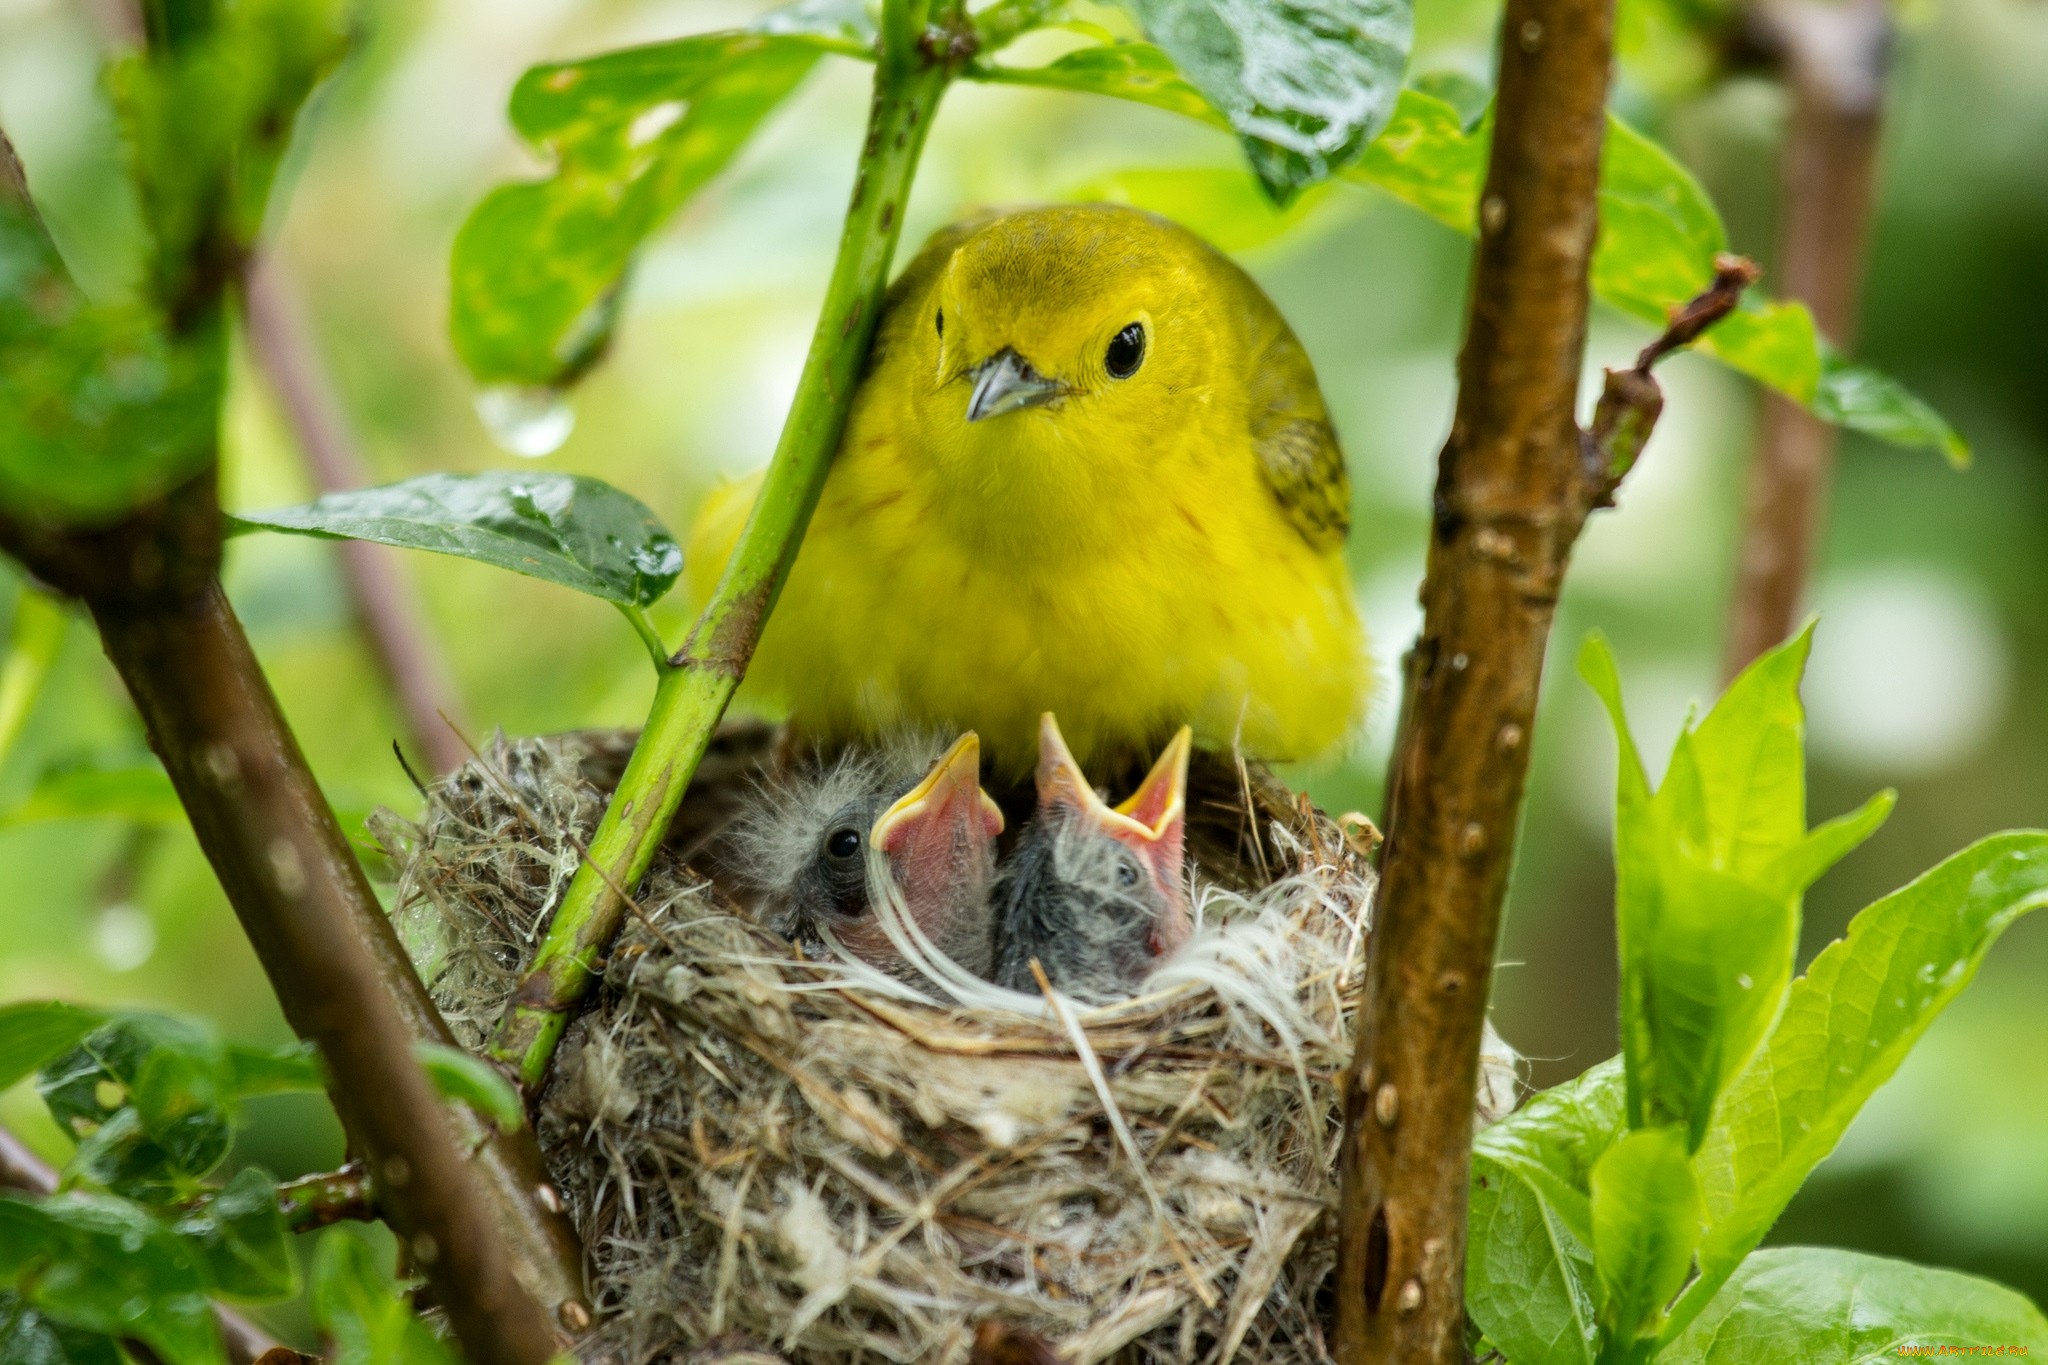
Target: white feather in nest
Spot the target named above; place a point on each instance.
(840, 1165)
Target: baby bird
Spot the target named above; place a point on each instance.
(1097, 896)
(826, 847)
(1088, 469)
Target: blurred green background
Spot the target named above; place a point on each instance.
(1930, 671)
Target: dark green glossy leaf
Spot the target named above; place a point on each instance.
(29, 1338)
(579, 532)
(364, 1312)
(105, 1265)
(460, 1076)
(538, 267)
(146, 1096)
(1847, 1025)
(140, 795)
(1529, 1277)
(1646, 1222)
(34, 1031)
(241, 1241)
(1845, 1308)
(1305, 83)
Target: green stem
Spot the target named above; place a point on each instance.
(637, 618)
(693, 693)
(38, 631)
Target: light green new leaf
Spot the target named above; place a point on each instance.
(1846, 1026)
(1306, 85)
(105, 1265)
(1646, 1222)
(34, 1031)
(141, 795)
(357, 1304)
(538, 267)
(29, 1338)
(462, 1076)
(1845, 1308)
(241, 1241)
(569, 529)
(1529, 1278)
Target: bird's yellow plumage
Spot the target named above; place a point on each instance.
(1035, 508)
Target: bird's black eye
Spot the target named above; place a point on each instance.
(843, 843)
(939, 321)
(1126, 352)
(1127, 873)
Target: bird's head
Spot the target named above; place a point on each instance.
(1066, 351)
(1143, 838)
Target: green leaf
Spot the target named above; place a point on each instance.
(1223, 206)
(565, 528)
(1646, 1222)
(291, 1069)
(33, 640)
(1305, 84)
(1809, 1303)
(29, 1338)
(139, 795)
(1846, 1026)
(241, 1241)
(538, 267)
(147, 1092)
(34, 1031)
(105, 1265)
(461, 1076)
(1529, 1274)
(357, 1304)
(1138, 72)
(1865, 400)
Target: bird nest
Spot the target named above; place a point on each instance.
(807, 1157)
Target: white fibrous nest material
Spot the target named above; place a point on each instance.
(805, 1156)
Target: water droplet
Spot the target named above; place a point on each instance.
(526, 420)
(1743, 981)
(131, 1242)
(1927, 972)
(133, 1309)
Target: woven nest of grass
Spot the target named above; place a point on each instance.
(807, 1157)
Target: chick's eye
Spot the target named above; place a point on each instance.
(1126, 352)
(843, 843)
(1127, 873)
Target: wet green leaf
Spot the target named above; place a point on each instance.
(459, 1075)
(538, 267)
(1529, 1276)
(1306, 84)
(579, 532)
(1646, 1222)
(1847, 1025)
(34, 1031)
(1222, 206)
(359, 1306)
(239, 1236)
(145, 1095)
(104, 1265)
(1810, 1303)
(29, 1338)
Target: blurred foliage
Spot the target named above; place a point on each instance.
(1930, 669)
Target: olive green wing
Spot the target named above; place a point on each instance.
(1290, 428)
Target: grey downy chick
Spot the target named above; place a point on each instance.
(820, 847)
(1096, 895)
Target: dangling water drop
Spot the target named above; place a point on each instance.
(528, 420)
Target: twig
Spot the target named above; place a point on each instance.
(22, 1169)
(327, 1197)
(393, 626)
(1834, 57)
(1513, 491)
(914, 69)
(150, 579)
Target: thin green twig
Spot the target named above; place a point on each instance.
(917, 64)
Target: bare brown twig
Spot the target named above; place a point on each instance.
(1833, 57)
(400, 641)
(1515, 484)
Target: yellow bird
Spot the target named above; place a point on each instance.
(1087, 471)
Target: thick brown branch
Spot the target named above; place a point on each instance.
(22, 1169)
(392, 623)
(1834, 57)
(1513, 491)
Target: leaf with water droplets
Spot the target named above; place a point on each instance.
(31, 1338)
(238, 1233)
(1847, 1025)
(569, 529)
(363, 1312)
(106, 1265)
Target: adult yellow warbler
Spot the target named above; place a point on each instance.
(1087, 471)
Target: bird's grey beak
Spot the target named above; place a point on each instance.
(1006, 382)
